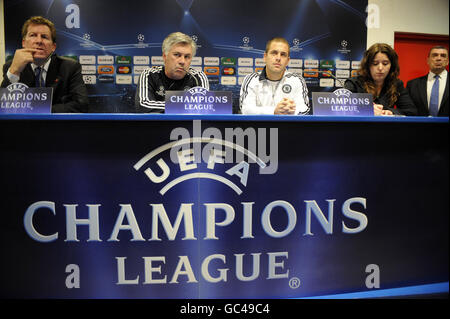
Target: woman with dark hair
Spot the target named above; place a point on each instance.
(378, 75)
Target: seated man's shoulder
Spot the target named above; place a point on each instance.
(196, 71)
(252, 76)
(153, 72)
(67, 60)
(8, 63)
(251, 81)
(416, 80)
(154, 69)
(292, 75)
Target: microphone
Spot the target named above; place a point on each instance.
(331, 74)
(42, 62)
(48, 57)
(192, 75)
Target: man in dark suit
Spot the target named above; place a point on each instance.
(36, 65)
(430, 92)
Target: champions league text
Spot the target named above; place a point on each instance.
(20, 100)
(189, 221)
(353, 221)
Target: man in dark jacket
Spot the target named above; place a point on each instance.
(37, 65)
(430, 92)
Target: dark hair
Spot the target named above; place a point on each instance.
(277, 39)
(392, 77)
(437, 47)
(39, 21)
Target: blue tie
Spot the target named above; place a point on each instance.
(434, 98)
(38, 76)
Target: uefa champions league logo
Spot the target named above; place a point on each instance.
(18, 97)
(246, 43)
(188, 153)
(195, 39)
(141, 39)
(87, 42)
(20, 87)
(296, 45)
(197, 90)
(343, 49)
(342, 92)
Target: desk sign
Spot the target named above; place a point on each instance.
(19, 98)
(342, 102)
(198, 100)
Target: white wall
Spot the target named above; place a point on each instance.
(417, 16)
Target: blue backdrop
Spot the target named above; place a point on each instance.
(324, 35)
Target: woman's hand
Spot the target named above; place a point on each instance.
(378, 110)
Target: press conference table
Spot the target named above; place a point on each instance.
(233, 117)
(345, 193)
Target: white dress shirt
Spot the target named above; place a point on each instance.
(442, 83)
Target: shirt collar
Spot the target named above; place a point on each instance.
(163, 72)
(263, 76)
(431, 75)
(45, 66)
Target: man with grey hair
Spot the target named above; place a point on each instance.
(178, 49)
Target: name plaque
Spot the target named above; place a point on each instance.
(18, 98)
(199, 100)
(342, 102)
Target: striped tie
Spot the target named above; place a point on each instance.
(434, 98)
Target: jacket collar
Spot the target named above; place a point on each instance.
(175, 83)
(263, 75)
(52, 72)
